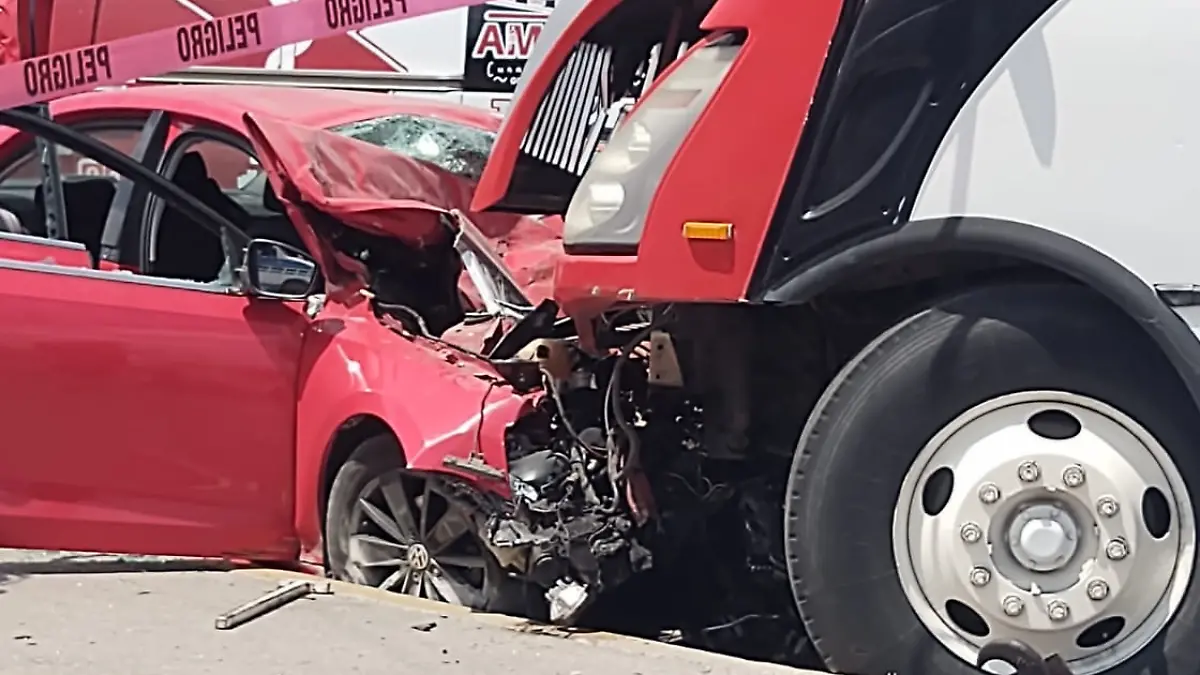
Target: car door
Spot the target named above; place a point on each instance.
(145, 414)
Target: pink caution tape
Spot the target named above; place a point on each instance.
(162, 51)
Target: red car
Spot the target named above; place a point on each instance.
(230, 347)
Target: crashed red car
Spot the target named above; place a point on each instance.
(218, 401)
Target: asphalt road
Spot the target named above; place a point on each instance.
(67, 613)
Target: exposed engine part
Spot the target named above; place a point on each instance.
(574, 472)
(567, 601)
(587, 547)
(621, 510)
(403, 280)
(553, 356)
(664, 364)
(537, 471)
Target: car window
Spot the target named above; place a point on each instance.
(235, 171)
(22, 210)
(215, 170)
(88, 198)
(227, 165)
(28, 170)
(457, 148)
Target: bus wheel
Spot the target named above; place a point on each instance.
(1010, 463)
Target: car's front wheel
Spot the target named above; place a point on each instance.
(401, 531)
(1013, 462)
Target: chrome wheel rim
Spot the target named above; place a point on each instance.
(1049, 531)
(410, 539)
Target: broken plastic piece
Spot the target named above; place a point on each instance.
(567, 601)
(475, 465)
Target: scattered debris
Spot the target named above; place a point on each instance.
(425, 626)
(671, 636)
(549, 630)
(287, 592)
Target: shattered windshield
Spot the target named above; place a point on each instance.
(459, 149)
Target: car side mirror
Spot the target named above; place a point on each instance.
(272, 269)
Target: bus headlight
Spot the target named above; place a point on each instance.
(609, 207)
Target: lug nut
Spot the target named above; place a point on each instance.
(1097, 589)
(980, 576)
(1012, 605)
(1029, 471)
(989, 493)
(1058, 610)
(1107, 506)
(970, 533)
(1117, 549)
(1073, 476)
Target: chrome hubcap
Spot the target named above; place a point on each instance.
(1047, 517)
(1043, 537)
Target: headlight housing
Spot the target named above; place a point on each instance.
(609, 207)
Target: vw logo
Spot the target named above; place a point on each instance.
(418, 557)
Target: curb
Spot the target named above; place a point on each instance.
(516, 624)
(100, 563)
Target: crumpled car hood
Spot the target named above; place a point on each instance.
(375, 190)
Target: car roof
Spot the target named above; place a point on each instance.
(316, 108)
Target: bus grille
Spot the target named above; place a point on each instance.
(561, 132)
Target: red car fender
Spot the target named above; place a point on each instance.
(439, 402)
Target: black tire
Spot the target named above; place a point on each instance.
(381, 456)
(895, 395)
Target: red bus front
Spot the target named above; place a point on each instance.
(677, 205)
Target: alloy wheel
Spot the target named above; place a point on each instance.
(408, 537)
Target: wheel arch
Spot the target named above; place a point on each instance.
(1033, 248)
(349, 435)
